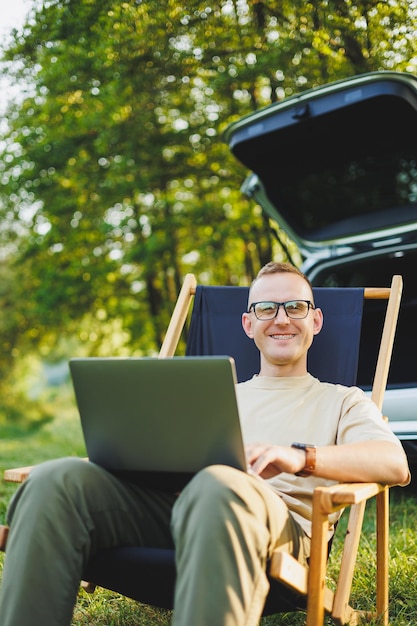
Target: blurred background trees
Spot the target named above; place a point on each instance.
(115, 181)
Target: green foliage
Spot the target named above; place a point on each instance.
(115, 181)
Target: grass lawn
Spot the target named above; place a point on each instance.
(63, 436)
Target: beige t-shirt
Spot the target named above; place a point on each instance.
(302, 409)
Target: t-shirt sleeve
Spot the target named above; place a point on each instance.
(361, 420)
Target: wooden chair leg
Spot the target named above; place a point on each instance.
(382, 556)
(318, 563)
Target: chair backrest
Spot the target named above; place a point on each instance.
(216, 328)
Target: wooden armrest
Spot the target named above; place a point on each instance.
(4, 531)
(345, 494)
(19, 474)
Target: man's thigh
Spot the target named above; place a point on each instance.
(224, 493)
(71, 492)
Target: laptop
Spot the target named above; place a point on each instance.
(159, 421)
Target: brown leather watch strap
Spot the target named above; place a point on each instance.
(311, 453)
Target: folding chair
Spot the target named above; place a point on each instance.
(148, 575)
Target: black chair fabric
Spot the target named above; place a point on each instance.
(144, 574)
(147, 574)
(216, 328)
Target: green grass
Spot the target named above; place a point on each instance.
(62, 436)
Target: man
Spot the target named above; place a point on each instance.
(226, 523)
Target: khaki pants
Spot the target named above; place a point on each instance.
(224, 526)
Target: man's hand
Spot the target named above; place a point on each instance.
(267, 461)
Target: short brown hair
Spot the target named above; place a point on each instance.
(275, 267)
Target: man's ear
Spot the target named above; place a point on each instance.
(247, 324)
(318, 321)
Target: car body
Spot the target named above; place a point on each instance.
(336, 168)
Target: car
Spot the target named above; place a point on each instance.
(336, 168)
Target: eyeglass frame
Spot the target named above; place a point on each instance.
(252, 306)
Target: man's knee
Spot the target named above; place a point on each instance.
(215, 481)
(210, 498)
(58, 468)
(51, 482)
(67, 475)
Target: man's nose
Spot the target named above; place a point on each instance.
(282, 317)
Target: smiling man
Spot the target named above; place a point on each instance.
(225, 524)
(282, 331)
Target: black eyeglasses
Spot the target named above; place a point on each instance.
(295, 309)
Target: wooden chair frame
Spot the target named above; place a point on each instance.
(326, 500)
(310, 583)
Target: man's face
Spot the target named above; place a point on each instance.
(283, 342)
